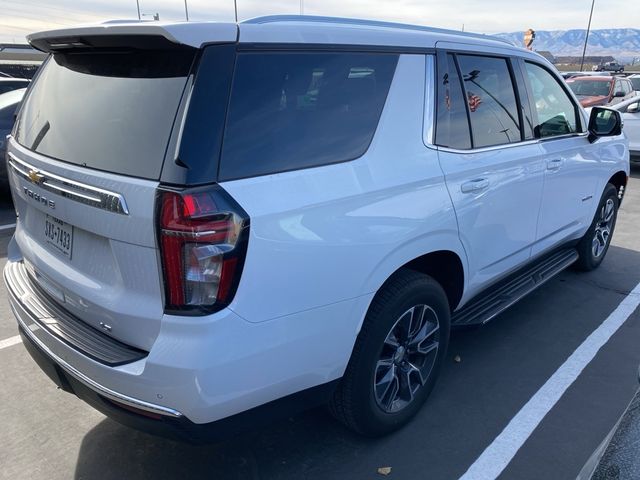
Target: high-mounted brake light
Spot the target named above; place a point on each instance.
(203, 239)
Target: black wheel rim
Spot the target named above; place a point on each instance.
(408, 355)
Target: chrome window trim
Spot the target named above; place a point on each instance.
(77, 191)
(491, 148)
(560, 137)
(429, 116)
(509, 145)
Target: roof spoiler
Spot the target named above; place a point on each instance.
(137, 35)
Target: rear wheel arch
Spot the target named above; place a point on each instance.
(444, 266)
(619, 180)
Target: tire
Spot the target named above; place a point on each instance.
(594, 245)
(409, 302)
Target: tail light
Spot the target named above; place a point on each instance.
(203, 240)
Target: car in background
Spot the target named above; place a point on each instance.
(630, 111)
(594, 91)
(9, 103)
(568, 75)
(609, 67)
(635, 81)
(7, 84)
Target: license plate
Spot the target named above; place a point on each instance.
(59, 235)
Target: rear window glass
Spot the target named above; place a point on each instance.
(110, 111)
(590, 88)
(294, 110)
(9, 86)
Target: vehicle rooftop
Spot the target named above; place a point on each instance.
(277, 29)
(593, 78)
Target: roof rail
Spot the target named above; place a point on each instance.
(369, 23)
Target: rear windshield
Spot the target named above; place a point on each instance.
(590, 88)
(11, 85)
(110, 111)
(292, 110)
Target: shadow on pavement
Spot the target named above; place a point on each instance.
(287, 449)
(471, 404)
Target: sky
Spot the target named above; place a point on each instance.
(20, 17)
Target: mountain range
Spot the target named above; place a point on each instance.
(621, 43)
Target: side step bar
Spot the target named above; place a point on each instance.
(498, 298)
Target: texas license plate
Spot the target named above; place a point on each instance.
(59, 235)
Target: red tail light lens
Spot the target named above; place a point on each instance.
(203, 238)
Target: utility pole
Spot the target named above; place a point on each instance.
(186, 10)
(586, 39)
(138, 5)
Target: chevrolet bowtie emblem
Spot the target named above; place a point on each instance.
(35, 177)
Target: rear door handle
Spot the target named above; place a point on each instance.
(554, 164)
(475, 185)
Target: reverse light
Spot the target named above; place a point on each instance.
(203, 237)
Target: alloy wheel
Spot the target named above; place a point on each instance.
(407, 358)
(602, 232)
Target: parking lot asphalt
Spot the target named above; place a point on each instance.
(48, 434)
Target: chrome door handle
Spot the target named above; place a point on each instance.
(554, 164)
(475, 185)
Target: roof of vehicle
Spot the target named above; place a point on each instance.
(270, 29)
(591, 78)
(12, 97)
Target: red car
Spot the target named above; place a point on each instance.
(593, 91)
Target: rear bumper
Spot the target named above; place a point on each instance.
(203, 375)
(174, 426)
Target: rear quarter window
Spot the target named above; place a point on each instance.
(293, 110)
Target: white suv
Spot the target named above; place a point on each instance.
(219, 221)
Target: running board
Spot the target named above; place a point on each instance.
(498, 298)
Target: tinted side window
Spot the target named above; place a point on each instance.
(295, 110)
(491, 100)
(556, 113)
(452, 124)
(618, 87)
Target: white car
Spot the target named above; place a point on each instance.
(221, 221)
(630, 110)
(635, 81)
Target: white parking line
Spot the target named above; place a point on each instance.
(501, 451)
(10, 341)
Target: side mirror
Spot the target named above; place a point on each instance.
(633, 108)
(604, 122)
(618, 94)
